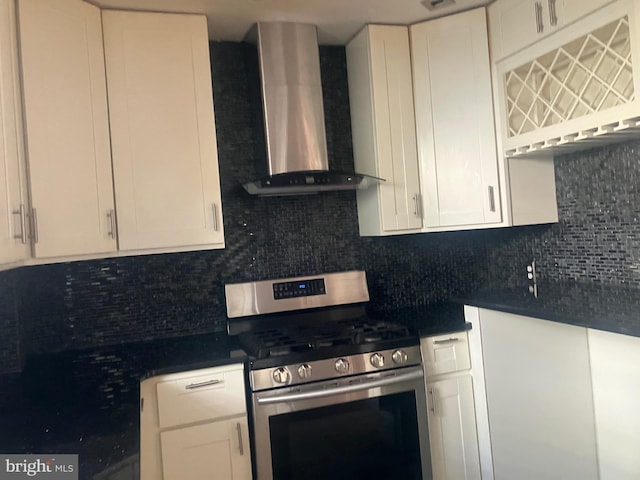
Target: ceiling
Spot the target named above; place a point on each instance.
(337, 20)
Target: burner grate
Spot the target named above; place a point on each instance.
(288, 340)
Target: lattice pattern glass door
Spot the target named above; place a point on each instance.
(588, 75)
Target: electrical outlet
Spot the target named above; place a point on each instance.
(532, 278)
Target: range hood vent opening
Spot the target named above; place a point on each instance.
(293, 112)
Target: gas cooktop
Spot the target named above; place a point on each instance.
(277, 342)
(304, 319)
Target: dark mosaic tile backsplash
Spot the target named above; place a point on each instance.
(597, 238)
(106, 302)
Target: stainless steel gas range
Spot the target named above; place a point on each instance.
(336, 394)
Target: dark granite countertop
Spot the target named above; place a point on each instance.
(602, 307)
(87, 401)
(427, 320)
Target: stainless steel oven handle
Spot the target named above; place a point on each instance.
(291, 397)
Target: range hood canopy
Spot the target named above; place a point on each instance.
(293, 111)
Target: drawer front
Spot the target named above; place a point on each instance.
(445, 353)
(201, 395)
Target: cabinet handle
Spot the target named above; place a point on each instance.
(539, 26)
(417, 211)
(215, 216)
(22, 236)
(193, 386)
(448, 340)
(34, 224)
(240, 444)
(553, 17)
(111, 215)
(433, 401)
(492, 199)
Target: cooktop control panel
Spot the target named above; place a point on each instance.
(299, 288)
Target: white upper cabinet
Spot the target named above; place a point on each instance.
(516, 24)
(454, 120)
(14, 245)
(65, 108)
(163, 134)
(383, 130)
(574, 89)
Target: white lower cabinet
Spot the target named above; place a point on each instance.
(214, 450)
(193, 426)
(615, 370)
(539, 397)
(452, 429)
(451, 411)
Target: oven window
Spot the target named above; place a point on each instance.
(373, 438)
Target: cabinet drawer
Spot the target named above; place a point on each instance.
(201, 395)
(445, 353)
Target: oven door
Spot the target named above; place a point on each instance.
(361, 427)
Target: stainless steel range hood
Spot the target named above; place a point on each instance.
(296, 143)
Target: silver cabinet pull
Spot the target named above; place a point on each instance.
(553, 17)
(448, 340)
(492, 199)
(22, 236)
(215, 217)
(240, 444)
(417, 211)
(539, 26)
(193, 386)
(111, 215)
(433, 401)
(34, 224)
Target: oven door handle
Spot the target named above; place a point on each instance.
(327, 392)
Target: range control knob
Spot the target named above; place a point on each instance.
(304, 370)
(342, 365)
(377, 360)
(399, 357)
(281, 375)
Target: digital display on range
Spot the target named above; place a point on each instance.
(306, 288)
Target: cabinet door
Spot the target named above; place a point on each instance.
(163, 135)
(576, 9)
(395, 127)
(516, 24)
(455, 128)
(217, 450)
(383, 129)
(65, 107)
(539, 398)
(13, 234)
(452, 429)
(615, 370)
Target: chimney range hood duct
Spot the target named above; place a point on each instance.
(294, 114)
